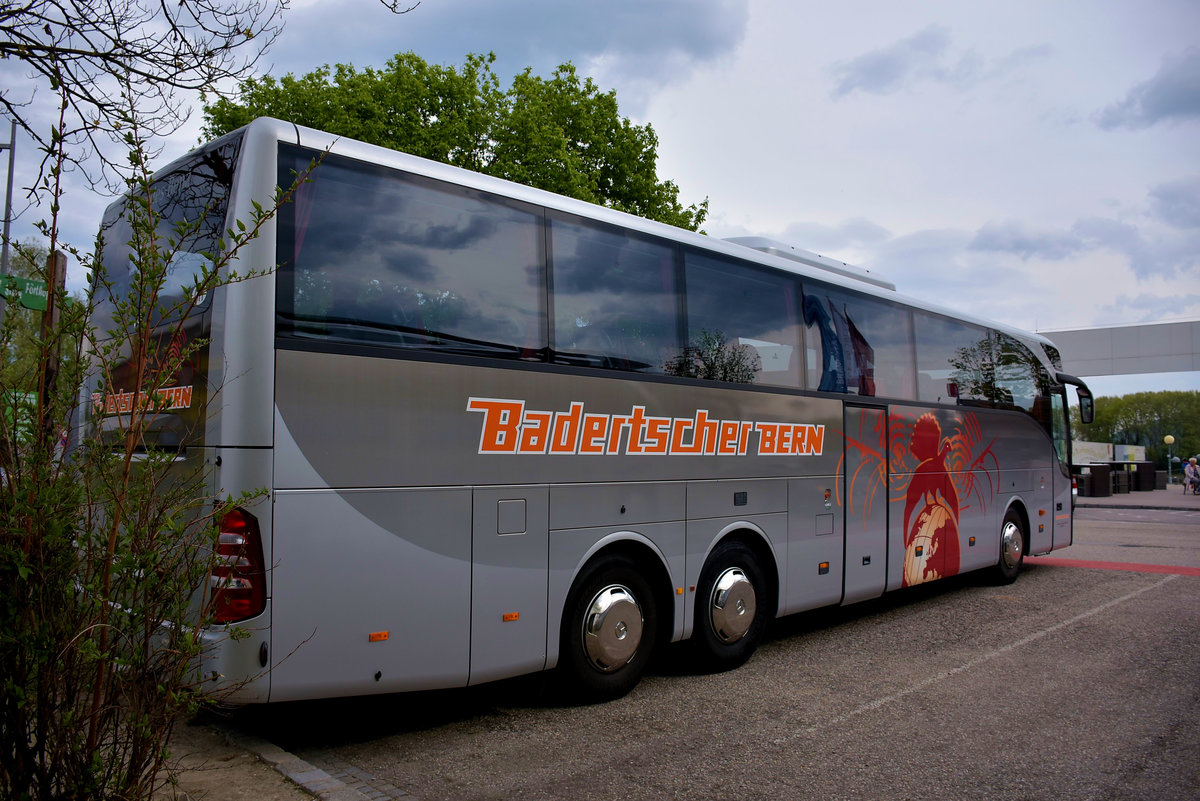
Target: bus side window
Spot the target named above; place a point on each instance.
(377, 255)
(814, 355)
(953, 361)
(826, 360)
(1019, 379)
(614, 297)
(867, 343)
(742, 324)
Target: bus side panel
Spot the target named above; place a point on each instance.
(377, 586)
(948, 493)
(509, 550)
(815, 544)
(243, 322)
(358, 421)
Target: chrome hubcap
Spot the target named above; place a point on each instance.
(1011, 544)
(732, 605)
(612, 628)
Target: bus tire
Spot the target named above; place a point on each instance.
(1012, 548)
(609, 629)
(730, 607)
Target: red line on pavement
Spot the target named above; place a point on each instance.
(1051, 561)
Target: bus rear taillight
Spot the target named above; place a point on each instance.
(239, 577)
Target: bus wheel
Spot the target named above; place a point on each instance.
(730, 616)
(609, 628)
(1012, 548)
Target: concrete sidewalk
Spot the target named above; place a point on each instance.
(1172, 498)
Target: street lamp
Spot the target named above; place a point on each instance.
(1169, 441)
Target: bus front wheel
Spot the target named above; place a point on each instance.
(610, 625)
(730, 611)
(1012, 548)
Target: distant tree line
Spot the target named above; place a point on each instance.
(1144, 418)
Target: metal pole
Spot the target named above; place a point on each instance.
(12, 152)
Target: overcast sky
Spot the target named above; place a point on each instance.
(1036, 163)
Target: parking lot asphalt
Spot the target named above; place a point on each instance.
(1075, 682)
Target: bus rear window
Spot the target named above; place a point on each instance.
(190, 204)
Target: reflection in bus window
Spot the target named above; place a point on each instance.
(753, 315)
(866, 344)
(189, 206)
(823, 347)
(615, 301)
(971, 365)
(374, 255)
(947, 360)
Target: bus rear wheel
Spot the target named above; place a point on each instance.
(609, 628)
(1012, 548)
(730, 607)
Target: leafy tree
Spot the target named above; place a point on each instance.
(1144, 418)
(560, 134)
(711, 355)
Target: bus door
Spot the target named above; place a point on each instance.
(1060, 431)
(1063, 500)
(866, 488)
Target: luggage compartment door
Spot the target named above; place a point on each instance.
(509, 575)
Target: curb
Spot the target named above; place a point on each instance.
(1151, 507)
(308, 777)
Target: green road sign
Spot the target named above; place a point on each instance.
(31, 293)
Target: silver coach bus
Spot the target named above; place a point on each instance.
(503, 431)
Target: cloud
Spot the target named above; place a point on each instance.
(1166, 253)
(1163, 254)
(846, 235)
(925, 56)
(1177, 203)
(659, 40)
(1019, 58)
(931, 257)
(1102, 232)
(617, 41)
(1020, 240)
(1150, 308)
(889, 69)
(1172, 95)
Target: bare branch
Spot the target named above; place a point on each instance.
(108, 60)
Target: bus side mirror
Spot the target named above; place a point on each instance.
(1087, 408)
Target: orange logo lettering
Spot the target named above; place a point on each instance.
(509, 427)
